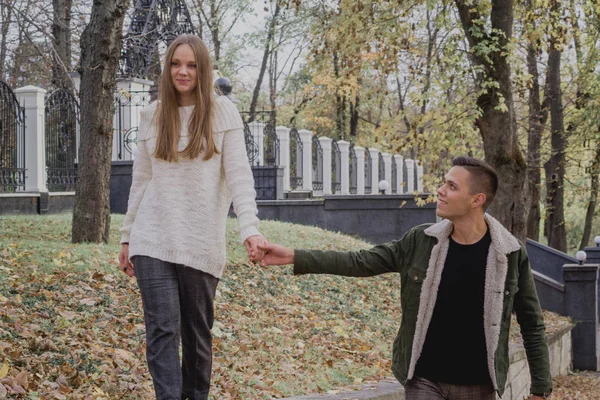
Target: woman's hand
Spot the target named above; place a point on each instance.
(252, 243)
(124, 263)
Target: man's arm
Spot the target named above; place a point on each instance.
(533, 330)
(380, 259)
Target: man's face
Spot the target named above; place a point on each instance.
(454, 199)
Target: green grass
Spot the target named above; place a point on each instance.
(72, 323)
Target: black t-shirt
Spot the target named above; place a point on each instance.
(454, 351)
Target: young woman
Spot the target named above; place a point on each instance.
(190, 163)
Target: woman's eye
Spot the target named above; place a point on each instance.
(174, 63)
(192, 65)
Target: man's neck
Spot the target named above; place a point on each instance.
(469, 229)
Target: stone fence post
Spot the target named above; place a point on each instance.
(345, 167)
(360, 169)
(307, 178)
(374, 170)
(399, 160)
(283, 133)
(326, 147)
(581, 304)
(387, 162)
(32, 99)
(410, 175)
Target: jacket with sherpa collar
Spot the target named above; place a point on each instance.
(419, 257)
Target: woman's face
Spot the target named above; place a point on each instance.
(184, 70)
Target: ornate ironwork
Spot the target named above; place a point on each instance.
(368, 174)
(271, 143)
(317, 164)
(296, 151)
(353, 170)
(336, 167)
(251, 147)
(394, 175)
(12, 141)
(62, 126)
(152, 21)
(127, 105)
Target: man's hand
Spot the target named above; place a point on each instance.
(276, 254)
(252, 247)
(124, 263)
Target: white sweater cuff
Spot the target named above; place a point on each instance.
(248, 231)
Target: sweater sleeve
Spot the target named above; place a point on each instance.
(238, 174)
(142, 173)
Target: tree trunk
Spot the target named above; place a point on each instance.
(273, 83)
(263, 67)
(497, 126)
(538, 115)
(555, 166)
(61, 32)
(214, 30)
(354, 117)
(591, 206)
(99, 58)
(6, 14)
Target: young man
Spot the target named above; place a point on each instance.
(461, 280)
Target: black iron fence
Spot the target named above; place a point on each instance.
(126, 121)
(353, 170)
(336, 168)
(12, 141)
(317, 165)
(296, 180)
(62, 125)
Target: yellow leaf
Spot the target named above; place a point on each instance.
(4, 370)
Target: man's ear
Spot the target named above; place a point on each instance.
(478, 200)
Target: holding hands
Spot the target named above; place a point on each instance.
(272, 254)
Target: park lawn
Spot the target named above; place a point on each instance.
(71, 324)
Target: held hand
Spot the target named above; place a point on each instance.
(534, 397)
(124, 263)
(276, 254)
(252, 243)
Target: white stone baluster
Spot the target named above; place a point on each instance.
(283, 134)
(410, 175)
(374, 170)
(345, 166)
(32, 99)
(307, 178)
(399, 160)
(387, 163)
(326, 147)
(360, 169)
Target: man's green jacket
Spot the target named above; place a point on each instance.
(419, 257)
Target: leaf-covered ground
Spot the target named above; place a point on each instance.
(71, 325)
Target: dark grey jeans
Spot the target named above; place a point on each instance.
(178, 303)
(424, 389)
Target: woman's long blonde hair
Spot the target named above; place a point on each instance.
(167, 112)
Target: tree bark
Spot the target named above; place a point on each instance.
(6, 14)
(101, 44)
(555, 166)
(497, 126)
(354, 116)
(61, 32)
(263, 67)
(591, 206)
(538, 114)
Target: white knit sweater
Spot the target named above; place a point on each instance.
(177, 211)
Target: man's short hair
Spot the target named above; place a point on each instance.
(484, 178)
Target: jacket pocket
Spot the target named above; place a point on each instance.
(510, 289)
(414, 284)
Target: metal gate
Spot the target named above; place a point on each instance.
(12, 141)
(62, 127)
